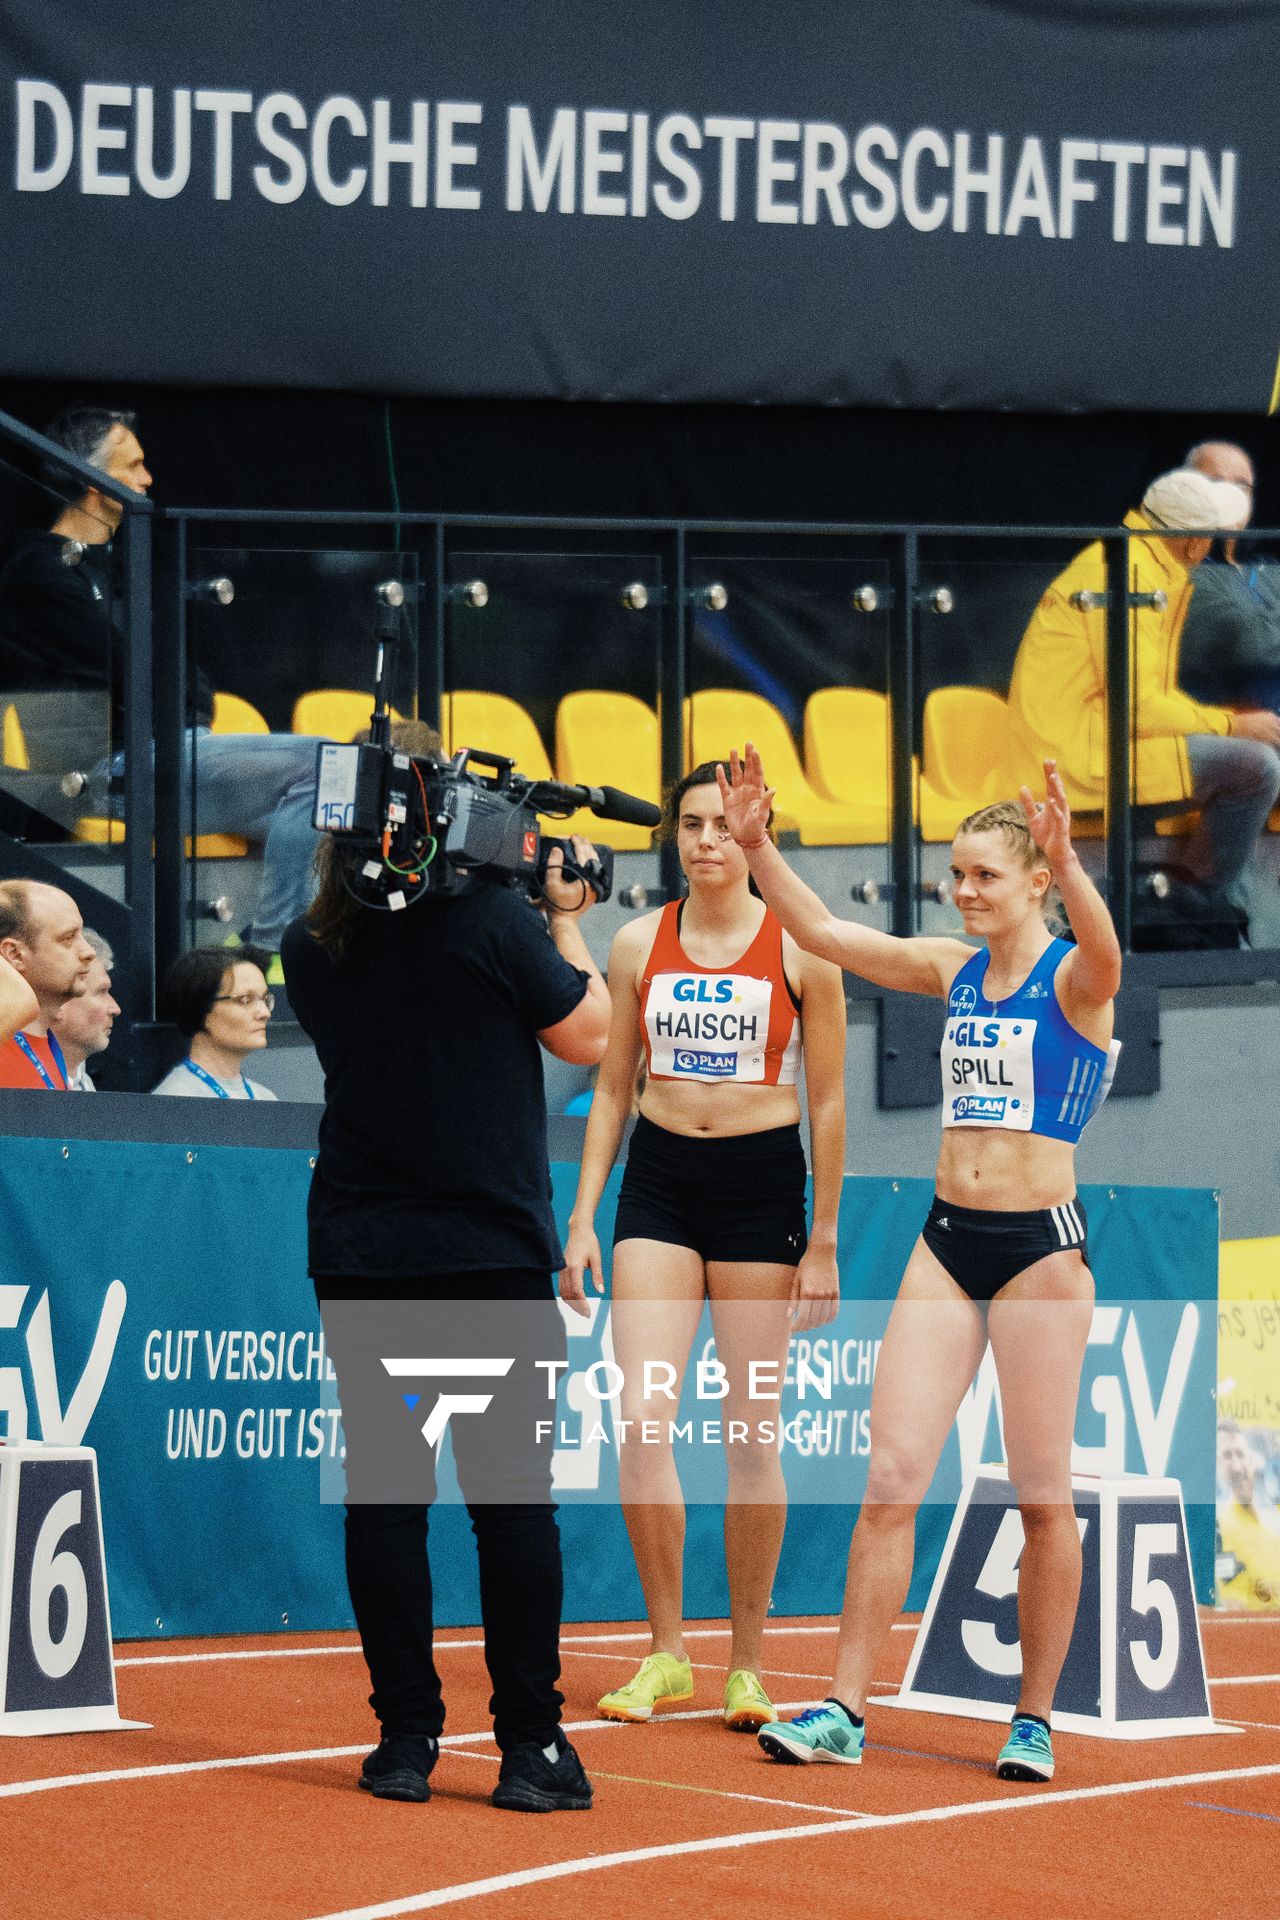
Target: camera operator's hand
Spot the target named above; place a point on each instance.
(581, 1256)
(566, 894)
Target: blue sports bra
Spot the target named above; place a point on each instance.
(1018, 1063)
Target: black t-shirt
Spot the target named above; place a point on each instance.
(62, 628)
(433, 1144)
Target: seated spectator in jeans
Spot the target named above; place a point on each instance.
(1231, 639)
(1225, 763)
(218, 999)
(84, 1025)
(42, 939)
(58, 633)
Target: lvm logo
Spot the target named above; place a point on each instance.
(447, 1404)
(59, 1425)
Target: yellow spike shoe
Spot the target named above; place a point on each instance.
(747, 1707)
(659, 1680)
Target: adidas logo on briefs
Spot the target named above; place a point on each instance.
(943, 1221)
(1069, 1224)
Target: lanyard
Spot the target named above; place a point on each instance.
(217, 1085)
(58, 1061)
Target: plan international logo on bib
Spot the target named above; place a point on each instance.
(719, 1064)
(979, 1106)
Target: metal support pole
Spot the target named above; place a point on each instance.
(1119, 816)
(673, 642)
(174, 793)
(137, 979)
(432, 664)
(904, 852)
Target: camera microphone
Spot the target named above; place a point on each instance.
(608, 803)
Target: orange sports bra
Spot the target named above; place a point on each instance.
(738, 1023)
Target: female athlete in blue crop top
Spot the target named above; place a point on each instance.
(1002, 1256)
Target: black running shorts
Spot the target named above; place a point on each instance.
(982, 1251)
(735, 1197)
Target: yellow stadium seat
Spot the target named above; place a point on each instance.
(721, 718)
(964, 745)
(333, 713)
(498, 724)
(231, 714)
(611, 739)
(15, 745)
(846, 752)
(98, 832)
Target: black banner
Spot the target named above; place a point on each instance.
(897, 203)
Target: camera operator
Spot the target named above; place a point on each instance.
(432, 1188)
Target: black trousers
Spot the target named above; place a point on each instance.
(504, 1470)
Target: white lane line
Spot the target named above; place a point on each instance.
(1248, 1680)
(110, 1776)
(246, 1653)
(455, 1646)
(563, 1869)
(683, 1786)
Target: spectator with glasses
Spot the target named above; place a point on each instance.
(220, 1003)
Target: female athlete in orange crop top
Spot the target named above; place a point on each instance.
(711, 1208)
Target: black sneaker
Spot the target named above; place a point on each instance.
(530, 1783)
(397, 1768)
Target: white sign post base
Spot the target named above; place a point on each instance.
(1135, 1666)
(56, 1670)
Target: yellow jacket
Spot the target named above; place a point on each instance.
(1057, 697)
(1247, 1544)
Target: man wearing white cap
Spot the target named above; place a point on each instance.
(1227, 763)
(1231, 641)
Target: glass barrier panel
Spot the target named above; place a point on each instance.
(282, 644)
(986, 713)
(1206, 858)
(62, 644)
(61, 670)
(791, 652)
(553, 660)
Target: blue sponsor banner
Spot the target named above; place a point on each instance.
(154, 1305)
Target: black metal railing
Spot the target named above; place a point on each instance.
(159, 571)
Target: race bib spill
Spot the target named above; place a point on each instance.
(987, 1076)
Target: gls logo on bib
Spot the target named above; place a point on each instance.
(708, 1026)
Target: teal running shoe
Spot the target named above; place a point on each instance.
(820, 1733)
(1028, 1752)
